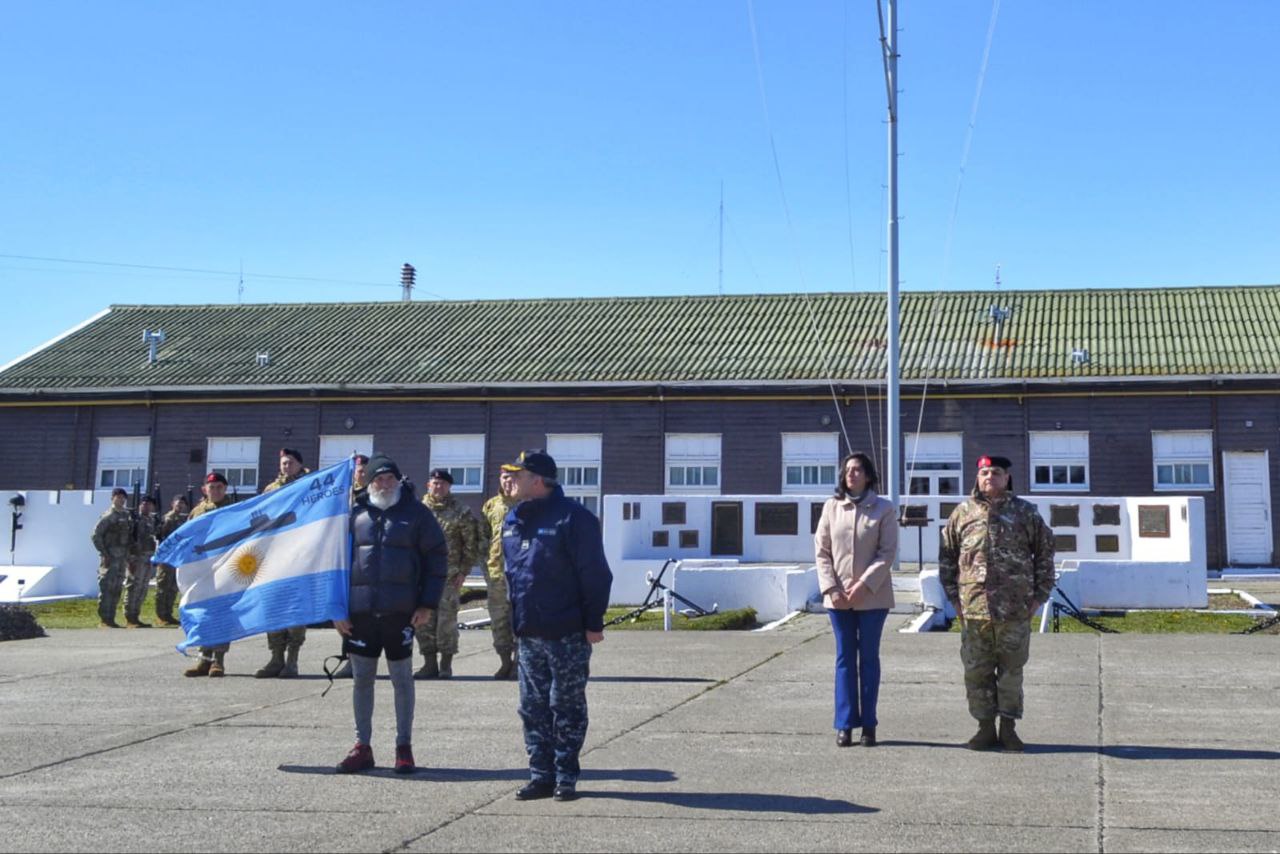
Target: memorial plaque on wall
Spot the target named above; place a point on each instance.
(815, 516)
(1153, 520)
(673, 513)
(777, 519)
(1064, 515)
(1106, 514)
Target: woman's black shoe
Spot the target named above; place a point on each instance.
(868, 736)
(844, 737)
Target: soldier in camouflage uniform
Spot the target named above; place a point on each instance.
(141, 548)
(996, 566)
(111, 537)
(439, 634)
(286, 643)
(491, 516)
(166, 575)
(212, 658)
(559, 581)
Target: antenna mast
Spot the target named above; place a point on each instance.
(720, 279)
(407, 274)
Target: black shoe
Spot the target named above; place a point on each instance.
(868, 736)
(565, 792)
(844, 737)
(535, 791)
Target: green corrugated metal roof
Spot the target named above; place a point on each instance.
(951, 336)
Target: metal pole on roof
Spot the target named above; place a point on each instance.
(893, 431)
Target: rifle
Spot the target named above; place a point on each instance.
(133, 512)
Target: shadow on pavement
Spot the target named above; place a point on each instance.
(738, 801)
(1117, 751)
(475, 775)
(692, 679)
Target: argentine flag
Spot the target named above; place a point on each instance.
(278, 560)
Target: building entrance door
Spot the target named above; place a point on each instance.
(1247, 493)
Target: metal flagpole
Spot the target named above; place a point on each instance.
(893, 432)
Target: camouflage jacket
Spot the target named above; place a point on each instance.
(206, 505)
(491, 516)
(995, 558)
(282, 480)
(113, 533)
(144, 535)
(172, 521)
(460, 532)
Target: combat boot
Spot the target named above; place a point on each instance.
(272, 668)
(217, 668)
(290, 664)
(446, 665)
(108, 624)
(135, 623)
(200, 668)
(985, 738)
(429, 670)
(1008, 738)
(504, 671)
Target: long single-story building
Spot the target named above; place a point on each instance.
(1125, 392)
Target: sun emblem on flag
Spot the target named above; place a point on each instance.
(244, 564)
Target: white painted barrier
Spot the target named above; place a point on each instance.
(53, 553)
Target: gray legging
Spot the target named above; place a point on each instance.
(363, 672)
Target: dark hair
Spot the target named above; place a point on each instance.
(873, 479)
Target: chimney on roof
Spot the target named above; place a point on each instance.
(407, 274)
(153, 340)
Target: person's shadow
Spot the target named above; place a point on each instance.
(1119, 751)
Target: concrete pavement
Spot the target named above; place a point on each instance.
(698, 742)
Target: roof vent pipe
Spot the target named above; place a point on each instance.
(407, 274)
(153, 340)
(1080, 356)
(263, 359)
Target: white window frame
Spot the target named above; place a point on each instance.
(578, 463)
(233, 457)
(122, 454)
(813, 458)
(1182, 448)
(463, 455)
(336, 448)
(1060, 449)
(688, 453)
(933, 456)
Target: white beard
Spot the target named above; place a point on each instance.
(384, 500)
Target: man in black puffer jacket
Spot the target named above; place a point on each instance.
(398, 569)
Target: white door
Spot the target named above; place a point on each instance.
(1247, 490)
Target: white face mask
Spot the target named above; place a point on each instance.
(383, 499)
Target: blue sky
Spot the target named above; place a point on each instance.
(568, 149)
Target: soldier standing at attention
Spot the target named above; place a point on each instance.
(439, 634)
(141, 547)
(996, 566)
(167, 576)
(111, 537)
(559, 582)
(212, 658)
(286, 643)
(491, 516)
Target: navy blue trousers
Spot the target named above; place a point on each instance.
(553, 705)
(857, 665)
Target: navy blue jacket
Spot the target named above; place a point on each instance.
(557, 575)
(399, 556)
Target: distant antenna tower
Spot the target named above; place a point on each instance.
(407, 275)
(997, 277)
(720, 277)
(240, 286)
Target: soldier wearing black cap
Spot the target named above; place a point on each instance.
(285, 644)
(212, 658)
(995, 562)
(112, 537)
(138, 578)
(439, 634)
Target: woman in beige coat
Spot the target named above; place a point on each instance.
(856, 546)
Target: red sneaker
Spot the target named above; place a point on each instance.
(359, 759)
(404, 759)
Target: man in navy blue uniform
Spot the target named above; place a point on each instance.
(398, 565)
(558, 581)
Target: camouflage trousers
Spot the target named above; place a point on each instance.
(111, 573)
(504, 639)
(136, 582)
(166, 590)
(994, 653)
(553, 705)
(286, 639)
(439, 634)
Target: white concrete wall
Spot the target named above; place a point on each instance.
(56, 530)
(774, 590)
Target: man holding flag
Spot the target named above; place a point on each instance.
(398, 572)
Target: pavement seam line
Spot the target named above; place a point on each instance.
(705, 690)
